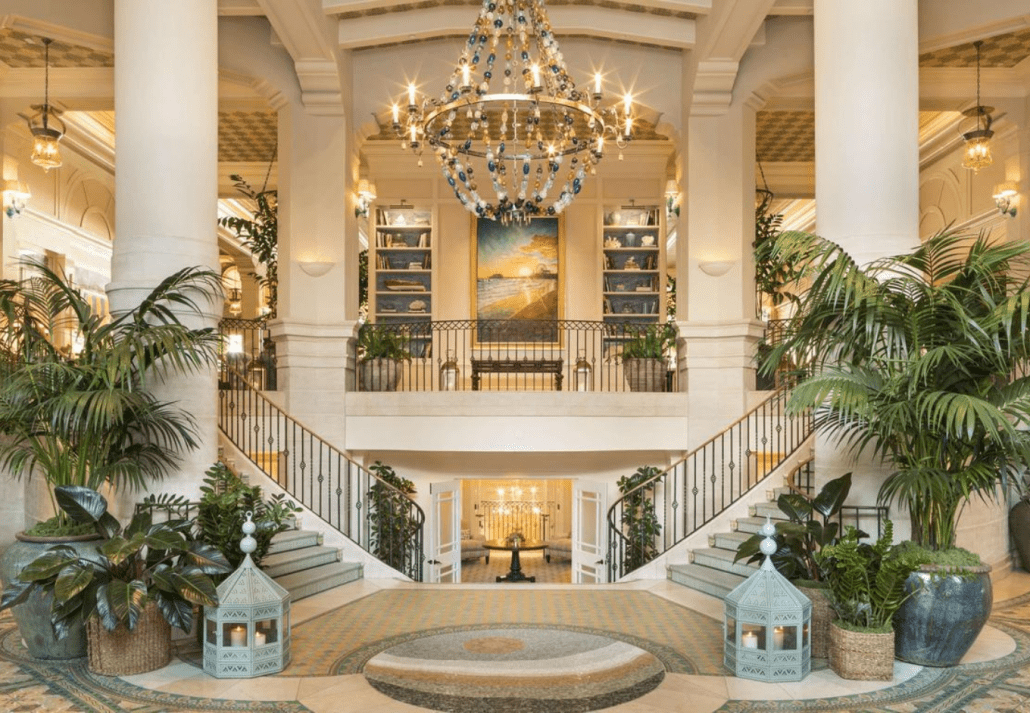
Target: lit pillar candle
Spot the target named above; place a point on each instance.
(259, 638)
(749, 640)
(778, 638)
(238, 636)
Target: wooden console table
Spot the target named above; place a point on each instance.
(517, 366)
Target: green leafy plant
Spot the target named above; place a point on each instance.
(640, 524)
(377, 342)
(392, 523)
(144, 561)
(224, 504)
(260, 235)
(86, 417)
(920, 358)
(867, 582)
(807, 531)
(652, 341)
(773, 275)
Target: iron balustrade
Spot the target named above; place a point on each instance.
(247, 348)
(373, 514)
(505, 355)
(663, 511)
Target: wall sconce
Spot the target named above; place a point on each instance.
(1005, 197)
(16, 194)
(315, 268)
(366, 193)
(672, 195)
(715, 268)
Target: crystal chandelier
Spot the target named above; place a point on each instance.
(513, 135)
(45, 125)
(977, 135)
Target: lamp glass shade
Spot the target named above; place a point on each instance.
(978, 153)
(45, 150)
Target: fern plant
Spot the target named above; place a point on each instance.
(867, 582)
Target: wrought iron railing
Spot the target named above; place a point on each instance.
(247, 348)
(802, 481)
(510, 355)
(376, 516)
(665, 510)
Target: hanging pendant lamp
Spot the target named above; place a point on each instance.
(46, 125)
(977, 136)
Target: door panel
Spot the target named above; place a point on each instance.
(589, 506)
(444, 564)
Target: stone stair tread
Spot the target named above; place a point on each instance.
(293, 540)
(736, 537)
(282, 563)
(319, 579)
(705, 579)
(720, 554)
(751, 525)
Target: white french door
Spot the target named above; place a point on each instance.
(444, 563)
(589, 533)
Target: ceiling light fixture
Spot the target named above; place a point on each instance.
(977, 136)
(511, 121)
(46, 125)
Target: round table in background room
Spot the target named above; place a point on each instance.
(515, 570)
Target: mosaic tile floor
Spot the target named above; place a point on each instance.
(994, 677)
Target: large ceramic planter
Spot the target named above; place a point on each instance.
(940, 622)
(645, 374)
(1019, 526)
(822, 615)
(860, 655)
(33, 617)
(379, 374)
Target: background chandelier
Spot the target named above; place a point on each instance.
(45, 125)
(977, 136)
(510, 120)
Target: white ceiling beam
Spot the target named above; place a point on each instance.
(307, 34)
(340, 7)
(239, 8)
(374, 30)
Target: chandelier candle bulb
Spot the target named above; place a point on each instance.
(396, 116)
(411, 98)
(466, 76)
(597, 85)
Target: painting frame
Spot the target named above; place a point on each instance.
(503, 253)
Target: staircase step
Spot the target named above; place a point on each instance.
(777, 492)
(291, 561)
(722, 560)
(751, 525)
(294, 540)
(704, 579)
(319, 579)
(770, 509)
(729, 540)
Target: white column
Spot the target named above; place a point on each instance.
(166, 123)
(317, 313)
(867, 125)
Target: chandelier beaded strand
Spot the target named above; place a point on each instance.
(519, 140)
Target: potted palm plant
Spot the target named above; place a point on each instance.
(644, 355)
(640, 525)
(129, 591)
(381, 349)
(84, 417)
(917, 358)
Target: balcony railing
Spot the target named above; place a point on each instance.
(247, 348)
(525, 355)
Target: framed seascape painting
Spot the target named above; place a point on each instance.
(518, 280)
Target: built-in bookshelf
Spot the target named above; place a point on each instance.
(633, 284)
(401, 265)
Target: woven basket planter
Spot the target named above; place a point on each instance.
(122, 652)
(861, 656)
(822, 615)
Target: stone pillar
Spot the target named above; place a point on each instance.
(867, 125)
(316, 313)
(166, 121)
(867, 161)
(718, 327)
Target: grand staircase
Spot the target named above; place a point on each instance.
(303, 566)
(711, 569)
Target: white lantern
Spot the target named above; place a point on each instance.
(248, 633)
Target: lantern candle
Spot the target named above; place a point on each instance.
(238, 636)
(259, 638)
(749, 640)
(778, 638)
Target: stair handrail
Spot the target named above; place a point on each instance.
(373, 514)
(651, 514)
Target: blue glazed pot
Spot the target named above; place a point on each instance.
(938, 625)
(33, 617)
